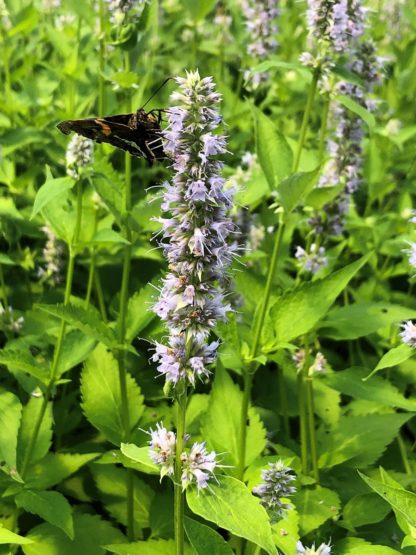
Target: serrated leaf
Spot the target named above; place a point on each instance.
(149, 547)
(86, 320)
(101, 395)
(30, 415)
(108, 236)
(10, 415)
(295, 313)
(315, 506)
(50, 190)
(358, 546)
(286, 531)
(361, 319)
(25, 362)
(402, 501)
(108, 185)
(231, 506)
(394, 357)
(49, 505)
(275, 154)
(112, 486)
(139, 312)
(363, 509)
(141, 456)
(362, 112)
(7, 536)
(294, 189)
(358, 441)
(205, 540)
(378, 390)
(323, 195)
(55, 467)
(75, 349)
(90, 534)
(221, 427)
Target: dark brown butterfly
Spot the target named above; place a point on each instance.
(138, 133)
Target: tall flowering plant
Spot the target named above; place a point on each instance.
(195, 241)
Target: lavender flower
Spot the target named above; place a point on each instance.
(78, 155)
(336, 22)
(323, 549)
(411, 252)
(408, 333)
(318, 366)
(275, 486)
(196, 235)
(313, 260)
(53, 257)
(9, 321)
(260, 23)
(198, 465)
(162, 450)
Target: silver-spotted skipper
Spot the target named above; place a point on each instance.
(138, 133)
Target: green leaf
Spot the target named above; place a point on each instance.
(10, 415)
(402, 501)
(198, 10)
(111, 482)
(6, 260)
(350, 382)
(108, 185)
(141, 456)
(205, 540)
(90, 534)
(76, 347)
(362, 112)
(321, 196)
(25, 362)
(49, 505)
(394, 357)
(50, 190)
(149, 547)
(87, 320)
(221, 427)
(275, 155)
(360, 440)
(231, 506)
(294, 189)
(286, 531)
(30, 415)
(358, 546)
(363, 509)
(101, 395)
(108, 236)
(139, 313)
(315, 506)
(361, 319)
(55, 467)
(7, 536)
(297, 312)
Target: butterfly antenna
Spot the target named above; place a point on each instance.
(156, 91)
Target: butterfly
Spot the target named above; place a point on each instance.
(138, 133)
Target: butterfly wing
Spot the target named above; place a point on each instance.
(113, 130)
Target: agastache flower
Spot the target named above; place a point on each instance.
(162, 450)
(313, 260)
(9, 320)
(323, 549)
(120, 8)
(53, 257)
(275, 486)
(78, 155)
(196, 236)
(260, 16)
(198, 466)
(408, 333)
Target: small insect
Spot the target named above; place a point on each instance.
(138, 133)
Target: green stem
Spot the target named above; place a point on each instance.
(122, 326)
(4, 295)
(302, 423)
(403, 454)
(305, 120)
(100, 295)
(242, 441)
(91, 270)
(283, 400)
(58, 347)
(179, 501)
(324, 128)
(311, 425)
